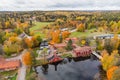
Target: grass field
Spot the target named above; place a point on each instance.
(38, 28)
(39, 25)
(87, 33)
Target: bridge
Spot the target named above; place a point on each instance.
(97, 55)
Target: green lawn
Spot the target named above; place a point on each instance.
(30, 74)
(14, 78)
(38, 28)
(8, 74)
(87, 33)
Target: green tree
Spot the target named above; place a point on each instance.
(99, 44)
(69, 45)
(108, 46)
(39, 39)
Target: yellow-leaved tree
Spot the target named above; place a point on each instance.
(81, 27)
(109, 61)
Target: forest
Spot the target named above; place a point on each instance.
(25, 31)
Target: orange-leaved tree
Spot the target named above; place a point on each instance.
(111, 71)
(65, 34)
(27, 58)
(55, 36)
(29, 42)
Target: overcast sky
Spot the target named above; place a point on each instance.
(22, 5)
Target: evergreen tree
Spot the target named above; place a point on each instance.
(69, 45)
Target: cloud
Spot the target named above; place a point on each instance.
(13, 5)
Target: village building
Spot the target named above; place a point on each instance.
(8, 65)
(74, 39)
(60, 45)
(54, 58)
(44, 44)
(82, 51)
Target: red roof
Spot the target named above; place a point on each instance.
(73, 39)
(4, 65)
(61, 45)
(55, 58)
(82, 51)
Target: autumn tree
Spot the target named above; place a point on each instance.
(32, 41)
(7, 24)
(28, 42)
(65, 34)
(81, 27)
(12, 45)
(83, 42)
(114, 27)
(55, 36)
(116, 74)
(59, 21)
(91, 25)
(110, 72)
(99, 45)
(18, 30)
(109, 61)
(27, 58)
(115, 41)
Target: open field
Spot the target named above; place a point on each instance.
(38, 28)
(87, 33)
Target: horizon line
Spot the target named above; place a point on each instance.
(52, 10)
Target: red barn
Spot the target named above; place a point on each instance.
(82, 51)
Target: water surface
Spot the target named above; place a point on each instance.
(81, 70)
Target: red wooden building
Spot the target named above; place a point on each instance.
(82, 51)
(9, 65)
(74, 40)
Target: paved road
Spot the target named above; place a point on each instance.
(22, 73)
(73, 30)
(22, 69)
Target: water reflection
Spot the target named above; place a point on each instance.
(44, 68)
(76, 69)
